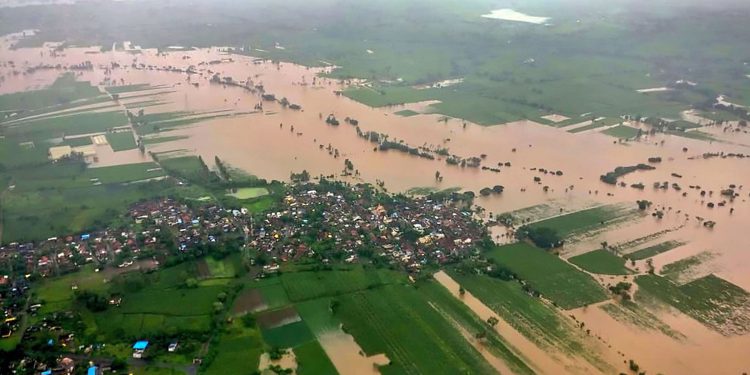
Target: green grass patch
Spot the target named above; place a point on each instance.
(249, 193)
(685, 268)
(550, 275)
(58, 127)
(289, 335)
(163, 139)
(406, 113)
(398, 321)
(302, 286)
(238, 351)
(583, 221)
(622, 132)
(654, 250)
(77, 142)
(312, 359)
(121, 141)
(602, 262)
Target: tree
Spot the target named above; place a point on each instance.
(461, 291)
(492, 321)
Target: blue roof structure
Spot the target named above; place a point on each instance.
(48, 372)
(140, 345)
(92, 370)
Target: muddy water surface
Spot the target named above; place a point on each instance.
(264, 144)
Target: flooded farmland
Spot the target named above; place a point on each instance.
(273, 141)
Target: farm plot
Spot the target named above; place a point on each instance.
(654, 250)
(398, 321)
(301, 286)
(549, 275)
(588, 220)
(602, 262)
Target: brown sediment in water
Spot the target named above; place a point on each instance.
(347, 356)
(543, 361)
(256, 144)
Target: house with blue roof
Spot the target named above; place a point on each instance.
(139, 347)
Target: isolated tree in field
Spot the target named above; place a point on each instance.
(461, 291)
(492, 321)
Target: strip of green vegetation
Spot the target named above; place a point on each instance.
(313, 360)
(238, 351)
(549, 275)
(289, 335)
(631, 313)
(710, 300)
(77, 142)
(64, 90)
(121, 141)
(398, 321)
(602, 262)
(654, 250)
(406, 113)
(585, 220)
(58, 127)
(302, 286)
(164, 139)
(622, 132)
(129, 88)
(538, 321)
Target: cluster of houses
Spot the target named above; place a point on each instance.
(406, 232)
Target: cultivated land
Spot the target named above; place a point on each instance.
(147, 240)
(549, 275)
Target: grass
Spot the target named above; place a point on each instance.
(601, 262)
(238, 351)
(550, 275)
(406, 113)
(274, 294)
(302, 286)
(163, 139)
(259, 205)
(398, 321)
(57, 127)
(583, 221)
(654, 250)
(63, 91)
(622, 132)
(121, 141)
(711, 300)
(312, 359)
(538, 321)
(249, 193)
(289, 335)
(220, 268)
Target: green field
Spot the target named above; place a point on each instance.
(313, 360)
(398, 321)
(683, 269)
(654, 250)
(622, 131)
(238, 352)
(249, 193)
(301, 286)
(549, 275)
(711, 300)
(121, 141)
(602, 262)
(587, 220)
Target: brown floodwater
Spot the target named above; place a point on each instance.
(347, 356)
(257, 144)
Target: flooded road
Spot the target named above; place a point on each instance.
(264, 144)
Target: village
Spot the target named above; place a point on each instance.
(326, 223)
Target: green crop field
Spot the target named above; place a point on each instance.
(313, 360)
(634, 314)
(710, 300)
(398, 321)
(583, 221)
(622, 131)
(249, 193)
(289, 335)
(550, 275)
(538, 321)
(121, 141)
(301, 286)
(654, 250)
(601, 261)
(238, 352)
